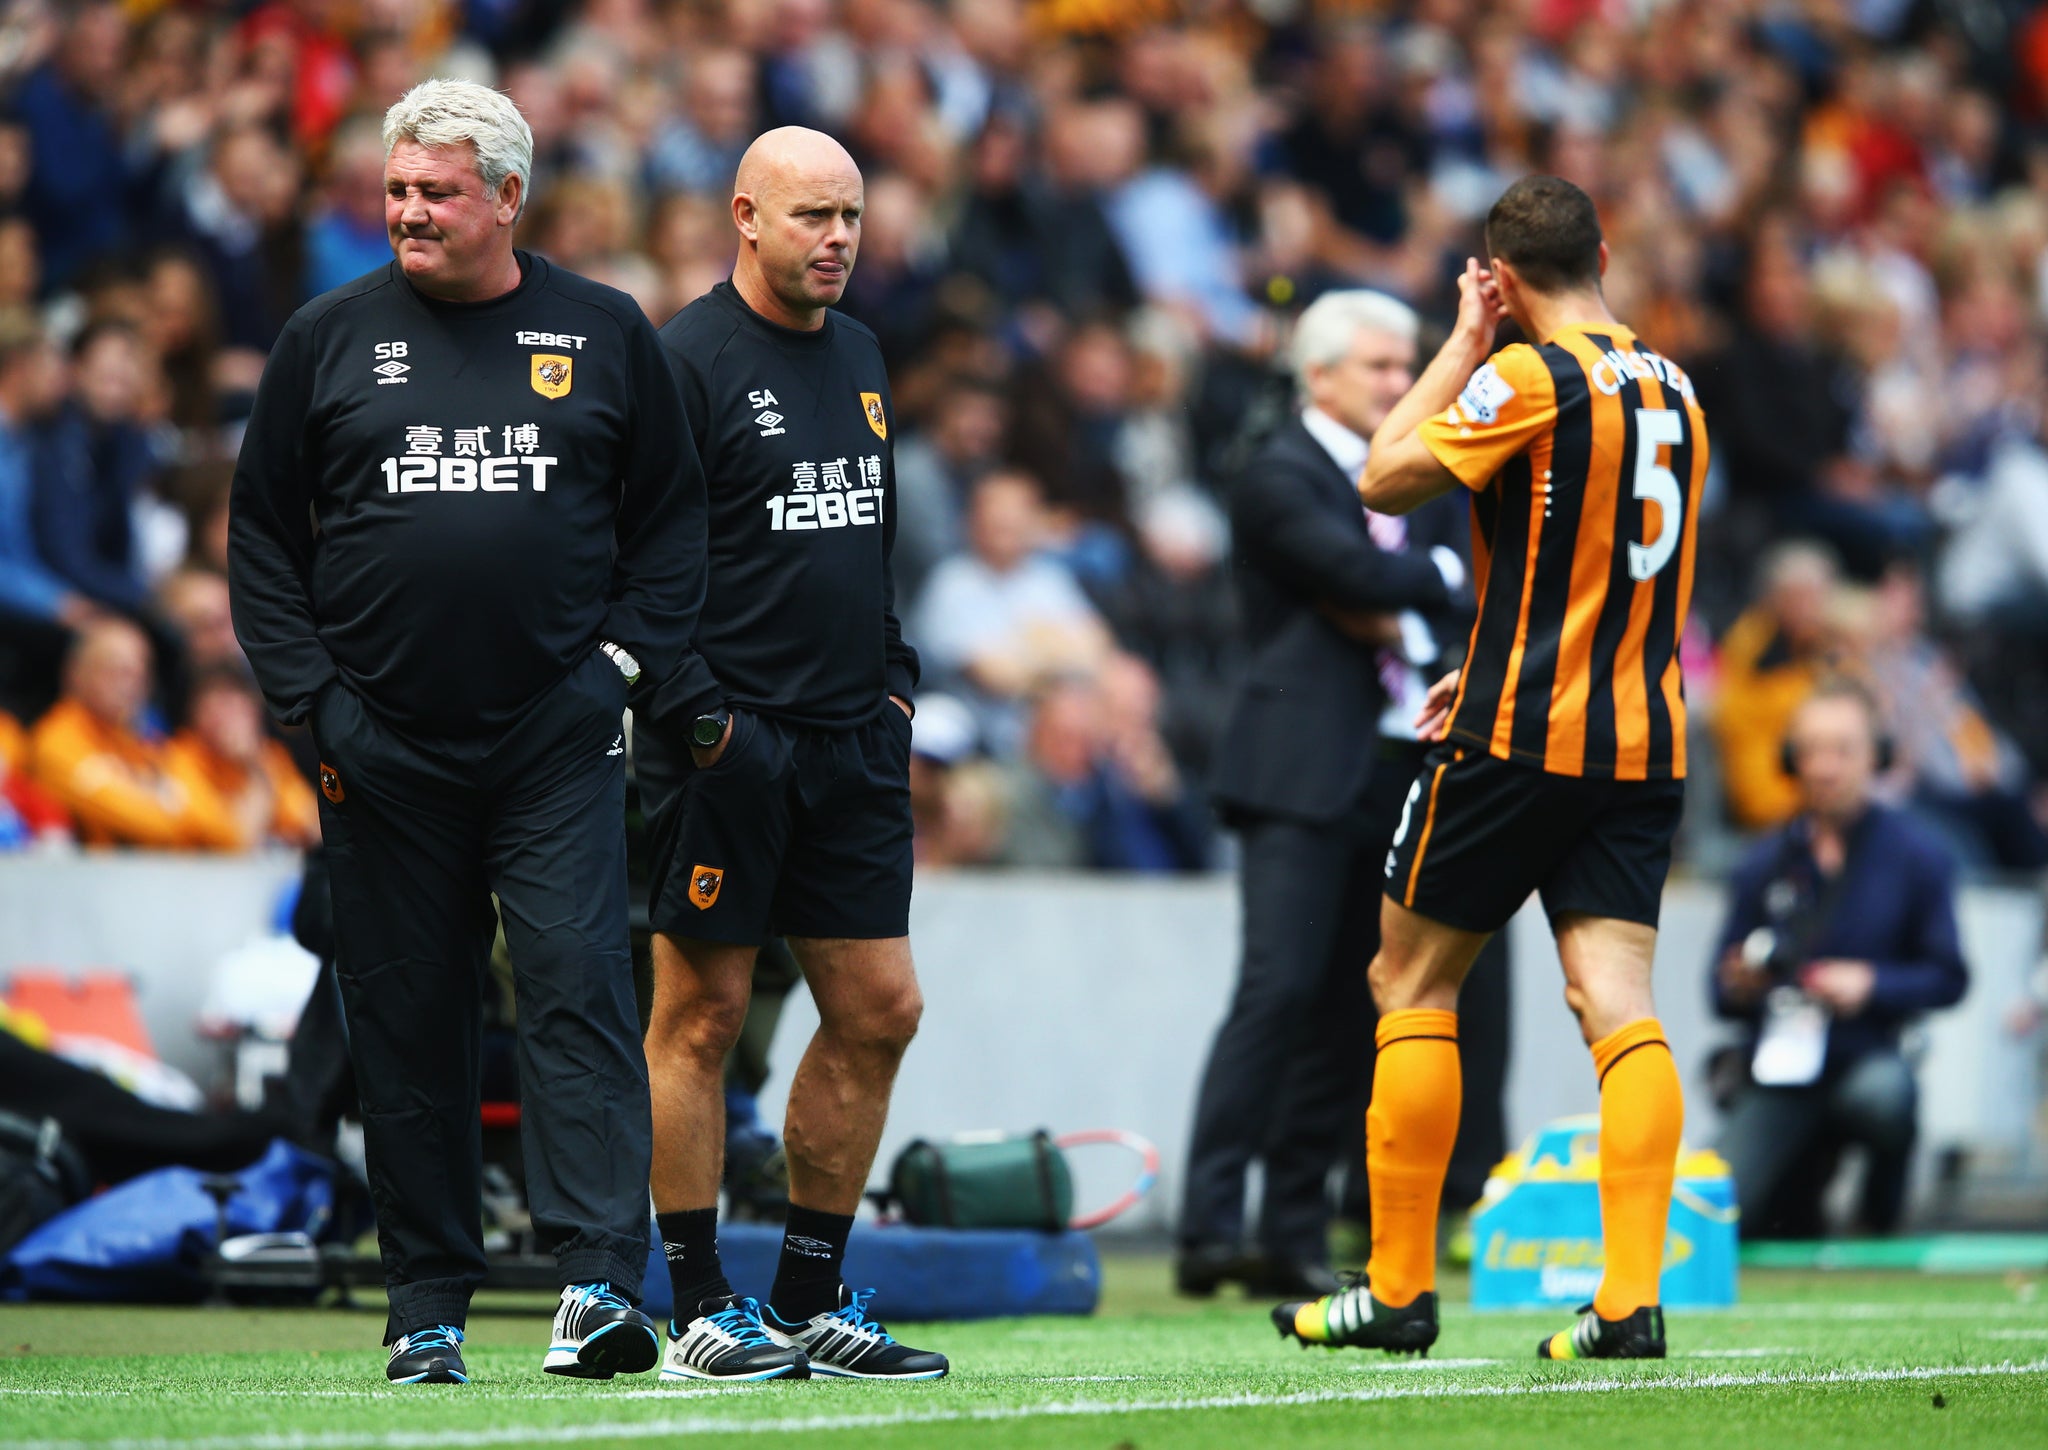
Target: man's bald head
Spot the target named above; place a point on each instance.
(797, 204)
(794, 156)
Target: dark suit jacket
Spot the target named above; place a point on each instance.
(1302, 736)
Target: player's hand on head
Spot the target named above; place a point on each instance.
(1479, 310)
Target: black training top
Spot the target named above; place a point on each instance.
(799, 614)
(448, 505)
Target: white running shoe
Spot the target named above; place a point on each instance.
(846, 1344)
(726, 1342)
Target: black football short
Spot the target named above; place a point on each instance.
(1479, 834)
(792, 832)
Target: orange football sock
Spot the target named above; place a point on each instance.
(1642, 1113)
(1408, 1134)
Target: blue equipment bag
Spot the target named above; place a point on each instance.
(920, 1273)
(146, 1241)
(1536, 1234)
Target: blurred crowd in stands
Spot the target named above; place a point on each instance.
(1089, 225)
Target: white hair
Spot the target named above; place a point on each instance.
(1796, 561)
(1330, 324)
(447, 112)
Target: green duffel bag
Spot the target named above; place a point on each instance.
(984, 1180)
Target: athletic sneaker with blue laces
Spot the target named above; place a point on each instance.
(725, 1341)
(598, 1335)
(845, 1344)
(428, 1357)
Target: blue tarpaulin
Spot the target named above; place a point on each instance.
(146, 1241)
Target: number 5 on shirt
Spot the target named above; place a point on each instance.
(1654, 483)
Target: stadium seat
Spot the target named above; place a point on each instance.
(85, 1004)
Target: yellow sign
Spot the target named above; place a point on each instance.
(551, 374)
(1504, 1252)
(871, 404)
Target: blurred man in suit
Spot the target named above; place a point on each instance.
(1344, 611)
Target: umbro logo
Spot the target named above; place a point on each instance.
(809, 1248)
(389, 369)
(768, 418)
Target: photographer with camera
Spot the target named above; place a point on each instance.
(1841, 931)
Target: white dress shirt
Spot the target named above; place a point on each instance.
(1401, 668)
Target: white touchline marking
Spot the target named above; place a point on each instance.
(702, 1392)
(1739, 1353)
(2002, 1309)
(1751, 1309)
(1825, 1309)
(402, 1393)
(1090, 1379)
(1566, 1384)
(2016, 1334)
(1412, 1365)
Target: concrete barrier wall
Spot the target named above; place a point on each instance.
(164, 920)
(1064, 1001)
(1070, 1003)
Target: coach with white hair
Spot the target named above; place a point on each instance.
(1343, 614)
(467, 518)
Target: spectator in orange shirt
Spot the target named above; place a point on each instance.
(223, 752)
(90, 752)
(27, 814)
(1771, 658)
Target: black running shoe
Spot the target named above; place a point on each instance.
(428, 1357)
(598, 1335)
(1639, 1336)
(845, 1344)
(725, 1341)
(1352, 1318)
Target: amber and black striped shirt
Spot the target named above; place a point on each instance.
(1585, 457)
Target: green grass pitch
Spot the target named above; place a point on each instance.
(1807, 1360)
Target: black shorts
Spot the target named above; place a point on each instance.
(1479, 834)
(793, 832)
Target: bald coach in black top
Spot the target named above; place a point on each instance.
(775, 766)
(467, 516)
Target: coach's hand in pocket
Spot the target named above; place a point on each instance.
(321, 710)
(708, 756)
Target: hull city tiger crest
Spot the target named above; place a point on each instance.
(551, 374)
(330, 784)
(704, 884)
(871, 404)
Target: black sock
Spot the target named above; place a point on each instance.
(689, 1240)
(807, 1277)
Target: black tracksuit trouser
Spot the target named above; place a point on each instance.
(419, 837)
(1290, 1073)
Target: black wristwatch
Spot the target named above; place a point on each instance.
(707, 730)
